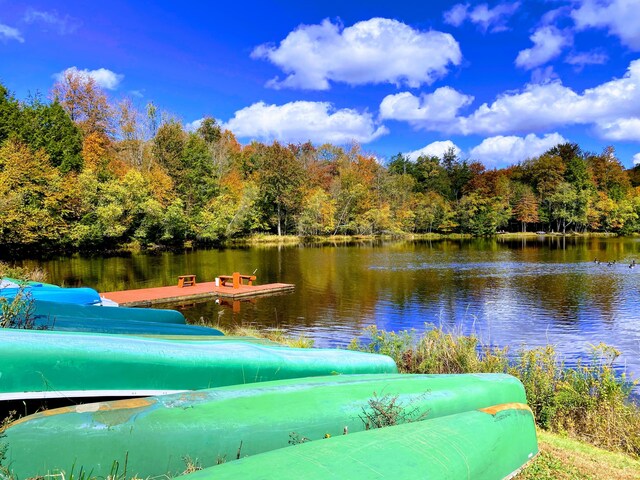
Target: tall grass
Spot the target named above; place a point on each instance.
(17, 312)
(22, 273)
(587, 401)
(274, 334)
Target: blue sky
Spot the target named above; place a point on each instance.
(498, 80)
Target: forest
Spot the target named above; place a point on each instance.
(79, 170)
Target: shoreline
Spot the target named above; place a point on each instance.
(269, 240)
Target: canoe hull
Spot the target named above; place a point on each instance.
(156, 433)
(491, 444)
(53, 310)
(122, 327)
(41, 364)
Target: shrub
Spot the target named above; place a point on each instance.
(587, 401)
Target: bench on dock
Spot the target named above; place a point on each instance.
(236, 279)
(186, 280)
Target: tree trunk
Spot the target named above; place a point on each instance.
(279, 222)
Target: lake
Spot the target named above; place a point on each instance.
(534, 291)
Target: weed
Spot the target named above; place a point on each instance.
(386, 411)
(191, 465)
(17, 312)
(296, 439)
(4, 472)
(275, 335)
(587, 401)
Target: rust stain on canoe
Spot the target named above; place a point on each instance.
(495, 409)
(120, 405)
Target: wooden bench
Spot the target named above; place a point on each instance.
(236, 279)
(186, 280)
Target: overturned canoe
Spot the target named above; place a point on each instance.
(44, 364)
(487, 444)
(80, 296)
(154, 434)
(54, 310)
(120, 327)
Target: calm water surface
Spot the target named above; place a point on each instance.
(524, 292)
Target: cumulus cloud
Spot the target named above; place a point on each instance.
(612, 108)
(501, 151)
(620, 129)
(435, 108)
(378, 50)
(103, 77)
(619, 17)
(300, 121)
(548, 43)
(10, 33)
(193, 126)
(551, 105)
(63, 24)
(487, 19)
(636, 159)
(582, 59)
(435, 149)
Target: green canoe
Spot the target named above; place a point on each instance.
(53, 310)
(488, 444)
(117, 326)
(44, 364)
(154, 434)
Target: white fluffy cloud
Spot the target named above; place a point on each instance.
(10, 33)
(378, 50)
(435, 149)
(636, 159)
(501, 151)
(619, 17)
(487, 19)
(540, 107)
(620, 129)
(302, 121)
(103, 77)
(548, 43)
(435, 108)
(612, 108)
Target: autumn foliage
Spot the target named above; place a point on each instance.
(81, 171)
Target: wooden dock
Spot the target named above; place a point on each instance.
(145, 297)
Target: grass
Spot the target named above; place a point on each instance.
(274, 334)
(562, 458)
(587, 402)
(22, 273)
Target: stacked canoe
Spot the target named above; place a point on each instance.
(443, 425)
(239, 407)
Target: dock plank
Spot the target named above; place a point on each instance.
(150, 296)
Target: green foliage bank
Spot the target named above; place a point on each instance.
(83, 171)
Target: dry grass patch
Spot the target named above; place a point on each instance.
(562, 458)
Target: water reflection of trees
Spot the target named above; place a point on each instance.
(391, 283)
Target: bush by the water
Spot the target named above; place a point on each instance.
(587, 401)
(17, 312)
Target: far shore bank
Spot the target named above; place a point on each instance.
(272, 240)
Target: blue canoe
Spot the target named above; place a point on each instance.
(56, 310)
(80, 296)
